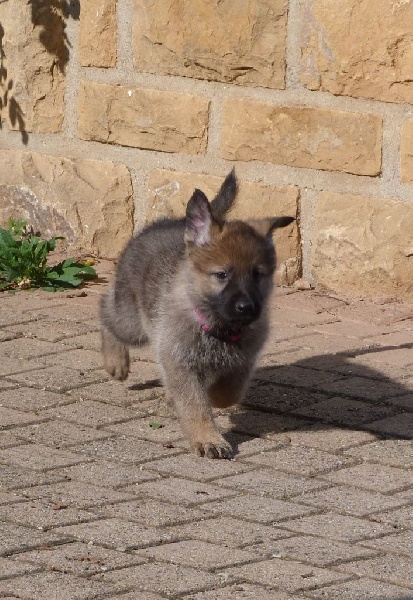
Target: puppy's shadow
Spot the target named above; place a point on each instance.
(323, 391)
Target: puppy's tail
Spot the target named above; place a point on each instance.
(224, 200)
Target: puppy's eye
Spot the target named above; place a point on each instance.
(221, 275)
(257, 273)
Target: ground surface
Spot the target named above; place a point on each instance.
(99, 497)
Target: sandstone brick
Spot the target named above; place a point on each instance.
(358, 49)
(315, 138)
(87, 201)
(351, 257)
(142, 118)
(98, 34)
(406, 163)
(242, 43)
(169, 192)
(34, 55)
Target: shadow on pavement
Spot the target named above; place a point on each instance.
(327, 390)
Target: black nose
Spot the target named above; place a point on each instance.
(245, 307)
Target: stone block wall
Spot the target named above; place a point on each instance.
(112, 111)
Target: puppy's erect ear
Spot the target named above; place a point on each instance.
(224, 200)
(266, 226)
(198, 219)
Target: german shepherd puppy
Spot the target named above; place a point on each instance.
(197, 288)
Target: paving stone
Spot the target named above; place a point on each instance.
(57, 586)
(151, 513)
(402, 543)
(301, 377)
(132, 596)
(125, 449)
(80, 559)
(401, 517)
(400, 426)
(16, 538)
(89, 341)
(59, 434)
(329, 438)
(76, 494)
(58, 379)
(361, 387)
(13, 478)
(90, 413)
(105, 473)
(271, 482)
(198, 554)
(303, 461)
(396, 453)
(10, 498)
(114, 533)
(8, 439)
(244, 445)
(27, 348)
(10, 417)
(192, 466)
(363, 589)
(11, 366)
(229, 532)
(351, 329)
(116, 392)
(31, 399)
(39, 458)
(290, 576)
(7, 385)
(345, 411)
(44, 515)
(121, 394)
(391, 569)
(258, 509)
(269, 396)
(255, 423)
(53, 330)
(162, 429)
(79, 359)
(379, 478)
(240, 591)
(350, 500)
(11, 568)
(312, 550)
(395, 356)
(339, 527)
(181, 491)
(162, 578)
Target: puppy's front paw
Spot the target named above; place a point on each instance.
(117, 364)
(215, 449)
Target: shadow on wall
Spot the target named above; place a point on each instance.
(49, 16)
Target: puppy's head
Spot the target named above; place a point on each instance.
(232, 263)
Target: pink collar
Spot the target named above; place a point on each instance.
(235, 337)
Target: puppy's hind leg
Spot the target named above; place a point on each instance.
(115, 355)
(114, 347)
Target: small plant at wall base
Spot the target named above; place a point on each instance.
(23, 261)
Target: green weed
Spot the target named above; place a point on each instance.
(23, 261)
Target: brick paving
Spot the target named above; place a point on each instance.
(99, 497)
